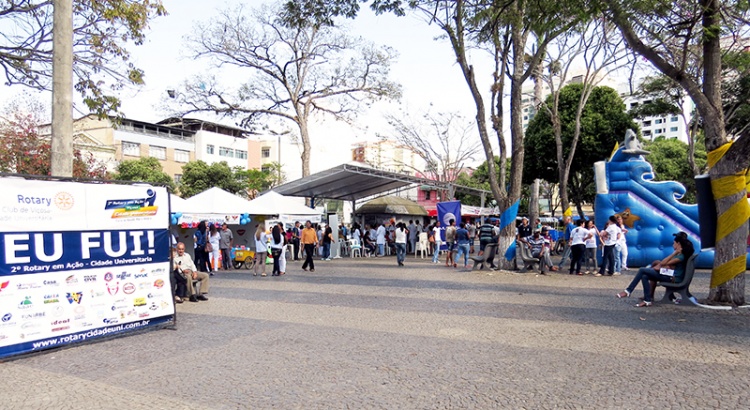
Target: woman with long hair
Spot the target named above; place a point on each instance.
(214, 237)
(674, 265)
(327, 239)
(200, 240)
(277, 243)
(400, 241)
(261, 239)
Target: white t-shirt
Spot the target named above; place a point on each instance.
(400, 236)
(578, 235)
(436, 233)
(355, 235)
(622, 242)
(260, 244)
(613, 231)
(380, 235)
(214, 240)
(591, 242)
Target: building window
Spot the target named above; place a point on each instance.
(209, 149)
(226, 152)
(265, 168)
(427, 195)
(646, 123)
(132, 149)
(240, 154)
(657, 121)
(633, 105)
(659, 131)
(673, 129)
(265, 152)
(177, 178)
(157, 152)
(181, 156)
(673, 119)
(647, 133)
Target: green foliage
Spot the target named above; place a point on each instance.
(197, 176)
(143, 170)
(102, 30)
(669, 160)
(257, 181)
(736, 91)
(603, 123)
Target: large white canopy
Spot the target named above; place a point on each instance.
(177, 204)
(216, 201)
(273, 203)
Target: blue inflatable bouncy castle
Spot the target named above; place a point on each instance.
(651, 210)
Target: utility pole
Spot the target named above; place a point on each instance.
(62, 89)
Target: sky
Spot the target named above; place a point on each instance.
(425, 68)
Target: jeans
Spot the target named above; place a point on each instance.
(618, 261)
(576, 257)
(591, 255)
(400, 252)
(566, 253)
(608, 260)
(645, 275)
(381, 249)
(463, 249)
(437, 252)
(326, 250)
(544, 258)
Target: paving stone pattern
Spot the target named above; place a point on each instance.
(366, 334)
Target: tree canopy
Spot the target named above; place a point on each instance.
(198, 176)
(147, 169)
(668, 158)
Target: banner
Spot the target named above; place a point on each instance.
(446, 211)
(80, 261)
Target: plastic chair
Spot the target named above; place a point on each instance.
(355, 247)
(422, 245)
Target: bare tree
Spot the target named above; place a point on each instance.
(284, 72)
(597, 47)
(444, 141)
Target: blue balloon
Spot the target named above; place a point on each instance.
(177, 214)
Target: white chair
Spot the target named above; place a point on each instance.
(422, 245)
(355, 247)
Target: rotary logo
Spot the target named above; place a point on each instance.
(64, 201)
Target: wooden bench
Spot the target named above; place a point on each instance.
(681, 287)
(528, 260)
(481, 260)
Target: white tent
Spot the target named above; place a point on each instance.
(216, 201)
(177, 204)
(273, 203)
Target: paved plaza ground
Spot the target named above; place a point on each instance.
(366, 334)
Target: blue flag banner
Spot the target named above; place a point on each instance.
(510, 253)
(446, 211)
(509, 215)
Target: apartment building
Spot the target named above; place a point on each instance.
(667, 126)
(215, 142)
(388, 155)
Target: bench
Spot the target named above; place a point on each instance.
(681, 287)
(528, 260)
(480, 260)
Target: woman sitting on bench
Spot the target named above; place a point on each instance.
(669, 269)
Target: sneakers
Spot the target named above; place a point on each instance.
(202, 297)
(616, 274)
(597, 274)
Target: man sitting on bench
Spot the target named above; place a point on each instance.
(183, 264)
(540, 250)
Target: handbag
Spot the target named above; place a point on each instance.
(431, 239)
(208, 247)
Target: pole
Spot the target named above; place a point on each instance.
(62, 89)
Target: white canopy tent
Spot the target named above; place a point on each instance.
(288, 210)
(177, 204)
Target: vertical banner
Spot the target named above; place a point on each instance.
(446, 211)
(80, 261)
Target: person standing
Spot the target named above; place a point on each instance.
(200, 240)
(412, 236)
(400, 241)
(566, 236)
(621, 249)
(485, 236)
(609, 236)
(450, 240)
(327, 239)
(225, 244)
(524, 230)
(212, 247)
(462, 244)
(591, 246)
(296, 231)
(282, 256)
(261, 248)
(309, 241)
(437, 241)
(380, 239)
(277, 244)
(472, 233)
(578, 238)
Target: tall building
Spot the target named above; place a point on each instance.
(388, 155)
(668, 126)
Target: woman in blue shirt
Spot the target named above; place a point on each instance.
(648, 276)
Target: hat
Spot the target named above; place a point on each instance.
(680, 234)
(537, 231)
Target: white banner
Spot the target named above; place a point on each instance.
(80, 261)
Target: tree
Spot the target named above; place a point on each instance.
(257, 181)
(144, 170)
(102, 30)
(736, 91)
(669, 35)
(442, 140)
(667, 157)
(290, 72)
(24, 151)
(198, 176)
(603, 122)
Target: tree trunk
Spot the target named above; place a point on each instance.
(61, 150)
(302, 116)
(534, 202)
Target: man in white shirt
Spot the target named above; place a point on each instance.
(380, 239)
(609, 236)
(412, 236)
(183, 264)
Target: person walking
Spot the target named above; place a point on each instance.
(309, 241)
(225, 244)
(462, 244)
(261, 248)
(296, 231)
(437, 241)
(578, 237)
(400, 241)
